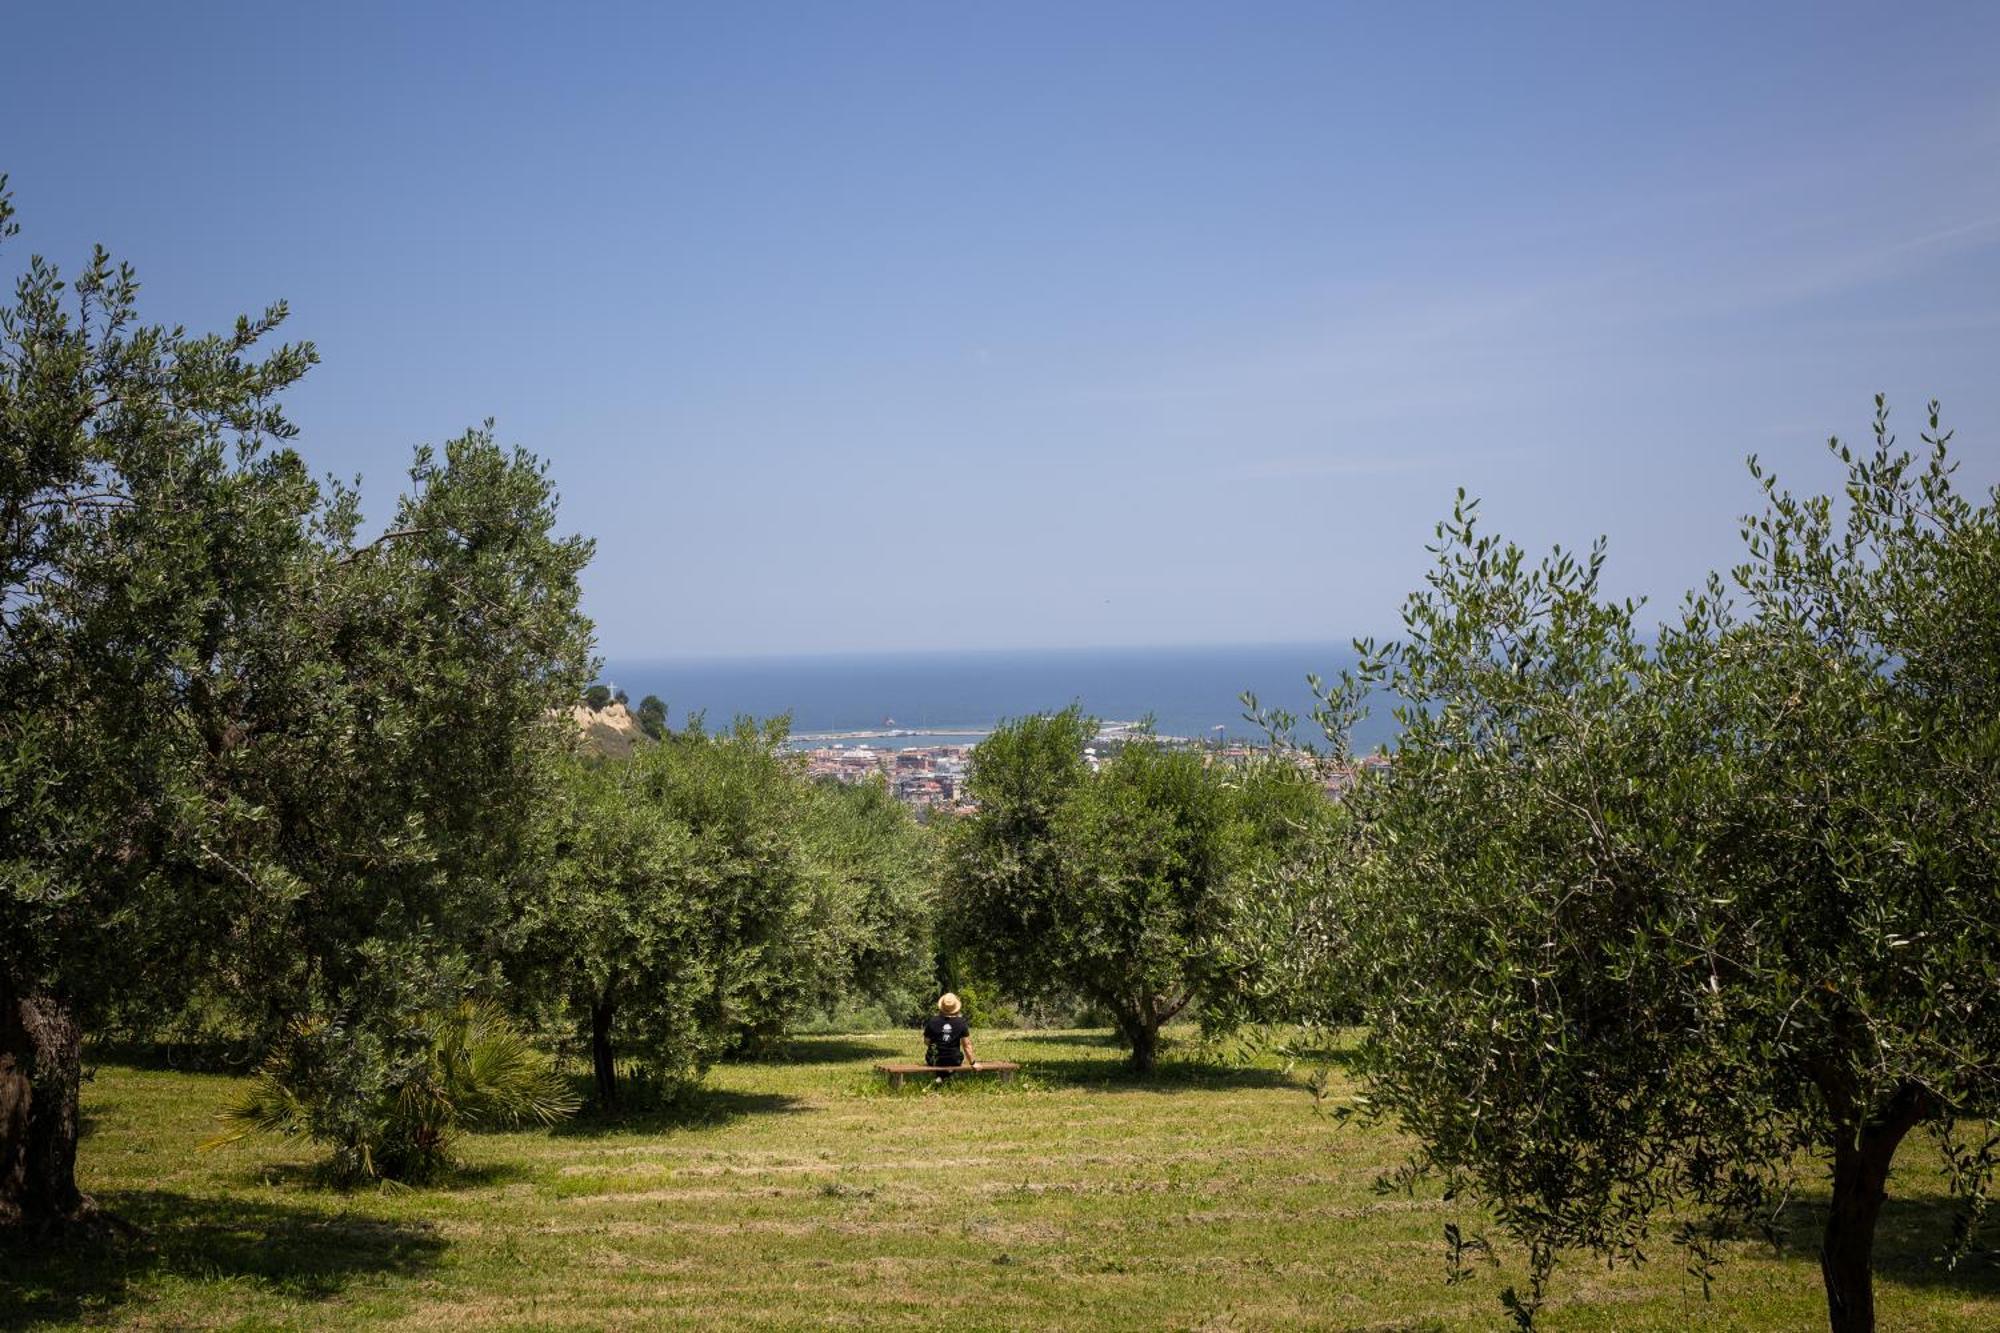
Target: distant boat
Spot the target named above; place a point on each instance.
(888, 721)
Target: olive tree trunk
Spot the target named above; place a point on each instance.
(1846, 1252)
(604, 1069)
(1145, 1047)
(1140, 1021)
(1141, 1031)
(1861, 1159)
(41, 1063)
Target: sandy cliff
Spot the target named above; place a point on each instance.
(610, 730)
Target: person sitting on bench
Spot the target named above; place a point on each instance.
(947, 1036)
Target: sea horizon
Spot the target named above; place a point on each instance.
(1187, 690)
(1010, 650)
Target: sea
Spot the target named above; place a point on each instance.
(913, 699)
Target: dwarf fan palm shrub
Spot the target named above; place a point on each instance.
(390, 1104)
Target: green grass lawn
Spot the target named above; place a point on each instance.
(801, 1193)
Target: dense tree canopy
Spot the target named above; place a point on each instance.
(236, 742)
(669, 877)
(1648, 917)
(703, 893)
(868, 939)
(1136, 887)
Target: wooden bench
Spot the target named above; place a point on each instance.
(1004, 1069)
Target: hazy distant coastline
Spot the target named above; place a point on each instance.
(897, 697)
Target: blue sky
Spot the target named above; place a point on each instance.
(932, 326)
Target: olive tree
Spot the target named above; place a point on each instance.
(703, 894)
(398, 781)
(238, 742)
(141, 532)
(617, 933)
(867, 936)
(1132, 886)
(1649, 916)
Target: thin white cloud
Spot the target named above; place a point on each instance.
(1386, 465)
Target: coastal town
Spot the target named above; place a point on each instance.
(929, 778)
(927, 770)
(925, 778)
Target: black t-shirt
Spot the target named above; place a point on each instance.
(943, 1034)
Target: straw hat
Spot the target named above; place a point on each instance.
(948, 1003)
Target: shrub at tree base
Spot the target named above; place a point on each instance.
(390, 1102)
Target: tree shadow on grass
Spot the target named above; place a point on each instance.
(1910, 1240)
(1185, 1054)
(1184, 1066)
(212, 1056)
(1097, 1040)
(821, 1051)
(696, 1108)
(1114, 1073)
(1171, 1076)
(302, 1253)
(312, 1175)
(1332, 1057)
